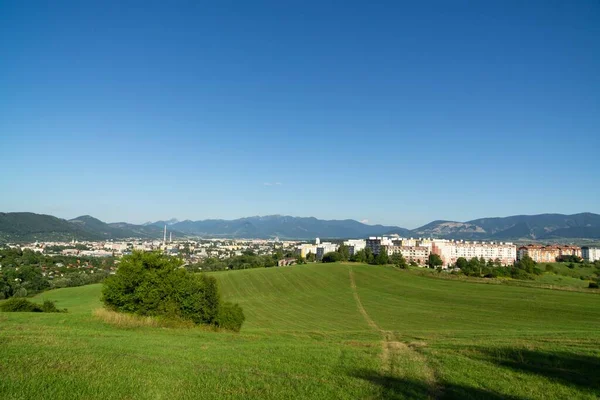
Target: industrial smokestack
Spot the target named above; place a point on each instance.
(165, 235)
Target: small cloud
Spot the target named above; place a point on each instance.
(272, 184)
(267, 184)
(364, 221)
(278, 183)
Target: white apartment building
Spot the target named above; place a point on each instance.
(450, 251)
(324, 248)
(590, 254)
(356, 245)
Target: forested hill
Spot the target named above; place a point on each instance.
(25, 226)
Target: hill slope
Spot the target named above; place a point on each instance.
(31, 227)
(24, 226)
(318, 331)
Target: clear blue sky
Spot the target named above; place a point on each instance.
(394, 113)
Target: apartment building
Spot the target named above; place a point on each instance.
(590, 254)
(450, 251)
(570, 251)
(375, 243)
(305, 249)
(541, 253)
(355, 245)
(418, 254)
(324, 248)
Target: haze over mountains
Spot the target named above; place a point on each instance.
(22, 226)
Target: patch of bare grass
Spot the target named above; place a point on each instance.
(123, 320)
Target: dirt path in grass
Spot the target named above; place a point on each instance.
(396, 355)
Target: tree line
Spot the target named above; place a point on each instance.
(24, 273)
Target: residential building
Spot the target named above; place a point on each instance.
(545, 254)
(450, 251)
(590, 254)
(304, 249)
(324, 248)
(405, 242)
(354, 246)
(375, 243)
(570, 251)
(418, 254)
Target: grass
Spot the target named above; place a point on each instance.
(122, 320)
(311, 333)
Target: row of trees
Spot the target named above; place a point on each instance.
(569, 259)
(523, 269)
(366, 256)
(245, 261)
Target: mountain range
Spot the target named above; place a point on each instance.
(23, 226)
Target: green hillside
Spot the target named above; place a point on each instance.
(319, 331)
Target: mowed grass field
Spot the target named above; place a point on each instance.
(322, 331)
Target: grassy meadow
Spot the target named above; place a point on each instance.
(322, 331)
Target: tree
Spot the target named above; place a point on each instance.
(462, 263)
(359, 256)
(344, 252)
(399, 261)
(310, 257)
(153, 284)
(382, 258)
(434, 261)
(332, 256)
(526, 264)
(369, 256)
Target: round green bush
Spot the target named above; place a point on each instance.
(231, 317)
(154, 284)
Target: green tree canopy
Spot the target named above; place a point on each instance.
(434, 261)
(154, 284)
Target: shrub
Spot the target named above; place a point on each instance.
(50, 306)
(231, 317)
(593, 285)
(152, 284)
(517, 273)
(17, 304)
(332, 256)
(550, 268)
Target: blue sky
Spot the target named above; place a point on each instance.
(396, 113)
